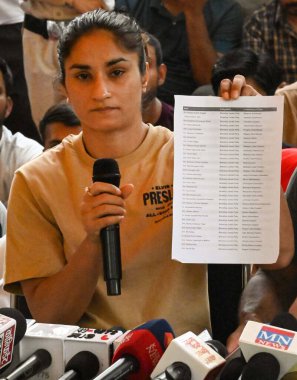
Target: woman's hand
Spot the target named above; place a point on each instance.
(232, 89)
(103, 205)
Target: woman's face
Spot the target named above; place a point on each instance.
(103, 83)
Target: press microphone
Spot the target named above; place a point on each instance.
(12, 329)
(82, 366)
(261, 366)
(268, 338)
(34, 364)
(139, 352)
(176, 371)
(49, 337)
(233, 369)
(100, 342)
(217, 346)
(107, 170)
(203, 361)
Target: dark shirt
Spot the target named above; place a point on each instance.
(224, 23)
(268, 30)
(166, 117)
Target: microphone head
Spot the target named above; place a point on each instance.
(106, 170)
(85, 364)
(285, 320)
(146, 343)
(21, 324)
(218, 347)
(44, 358)
(261, 366)
(233, 369)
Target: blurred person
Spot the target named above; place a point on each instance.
(100, 84)
(259, 70)
(154, 110)
(43, 24)
(289, 92)
(11, 23)
(58, 122)
(192, 34)
(15, 150)
(272, 29)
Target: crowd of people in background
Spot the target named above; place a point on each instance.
(191, 47)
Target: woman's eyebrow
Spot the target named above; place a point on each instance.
(108, 64)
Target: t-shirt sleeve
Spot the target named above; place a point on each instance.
(34, 243)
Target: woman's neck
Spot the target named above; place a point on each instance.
(100, 144)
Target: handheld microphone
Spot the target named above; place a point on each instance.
(37, 362)
(139, 352)
(12, 329)
(82, 366)
(265, 338)
(189, 349)
(107, 170)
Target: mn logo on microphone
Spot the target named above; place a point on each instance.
(272, 337)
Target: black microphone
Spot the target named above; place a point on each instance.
(176, 371)
(261, 366)
(107, 170)
(217, 346)
(233, 369)
(37, 362)
(82, 366)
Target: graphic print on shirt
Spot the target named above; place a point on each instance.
(158, 202)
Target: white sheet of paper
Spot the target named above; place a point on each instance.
(227, 160)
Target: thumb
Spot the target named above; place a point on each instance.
(127, 190)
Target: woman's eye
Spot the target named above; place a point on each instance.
(117, 73)
(83, 76)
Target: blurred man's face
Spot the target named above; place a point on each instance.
(5, 102)
(157, 76)
(290, 6)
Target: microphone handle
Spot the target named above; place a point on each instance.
(176, 371)
(70, 375)
(31, 366)
(119, 370)
(110, 238)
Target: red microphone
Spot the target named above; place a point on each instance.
(139, 352)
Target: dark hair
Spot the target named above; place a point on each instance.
(7, 76)
(125, 28)
(259, 67)
(61, 112)
(155, 43)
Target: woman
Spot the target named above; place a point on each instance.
(58, 213)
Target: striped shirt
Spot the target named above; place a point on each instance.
(268, 30)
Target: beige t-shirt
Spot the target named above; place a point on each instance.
(289, 93)
(45, 229)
